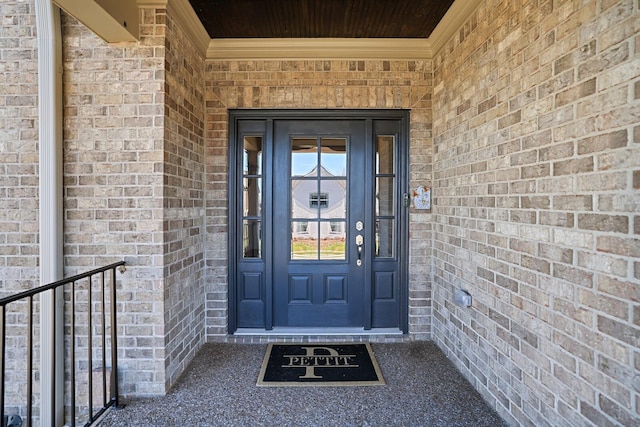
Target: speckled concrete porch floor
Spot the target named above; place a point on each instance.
(219, 389)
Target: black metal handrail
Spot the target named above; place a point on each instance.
(69, 284)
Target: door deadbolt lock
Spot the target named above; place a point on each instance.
(359, 225)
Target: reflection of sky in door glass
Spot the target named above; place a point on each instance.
(335, 164)
(304, 156)
(333, 156)
(303, 163)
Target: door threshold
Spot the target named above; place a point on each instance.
(299, 331)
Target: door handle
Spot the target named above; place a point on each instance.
(359, 243)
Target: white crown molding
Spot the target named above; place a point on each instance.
(319, 48)
(252, 49)
(452, 21)
(152, 4)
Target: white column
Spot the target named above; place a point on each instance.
(51, 210)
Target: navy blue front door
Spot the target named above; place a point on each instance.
(319, 212)
(317, 227)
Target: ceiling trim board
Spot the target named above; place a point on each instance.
(148, 4)
(319, 48)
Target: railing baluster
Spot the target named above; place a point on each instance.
(2, 355)
(90, 347)
(53, 359)
(30, 360)
(114, 342)
(104, 344)
(73, 353)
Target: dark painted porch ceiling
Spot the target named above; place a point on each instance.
(320, 18)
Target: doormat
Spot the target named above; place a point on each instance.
(314, 364)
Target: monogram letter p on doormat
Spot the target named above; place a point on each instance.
(313, 364)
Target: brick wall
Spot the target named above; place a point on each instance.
(315, 84)
(133, 181)
(537, 152)
(19, 225)
(19, 206)
(183, 200)
(114, 138)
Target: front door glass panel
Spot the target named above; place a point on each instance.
(252, 197)
(318, 194)
(385, 207)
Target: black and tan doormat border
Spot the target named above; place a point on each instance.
(319, 364)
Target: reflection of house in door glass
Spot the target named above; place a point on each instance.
(318, 198)
(331, 201)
